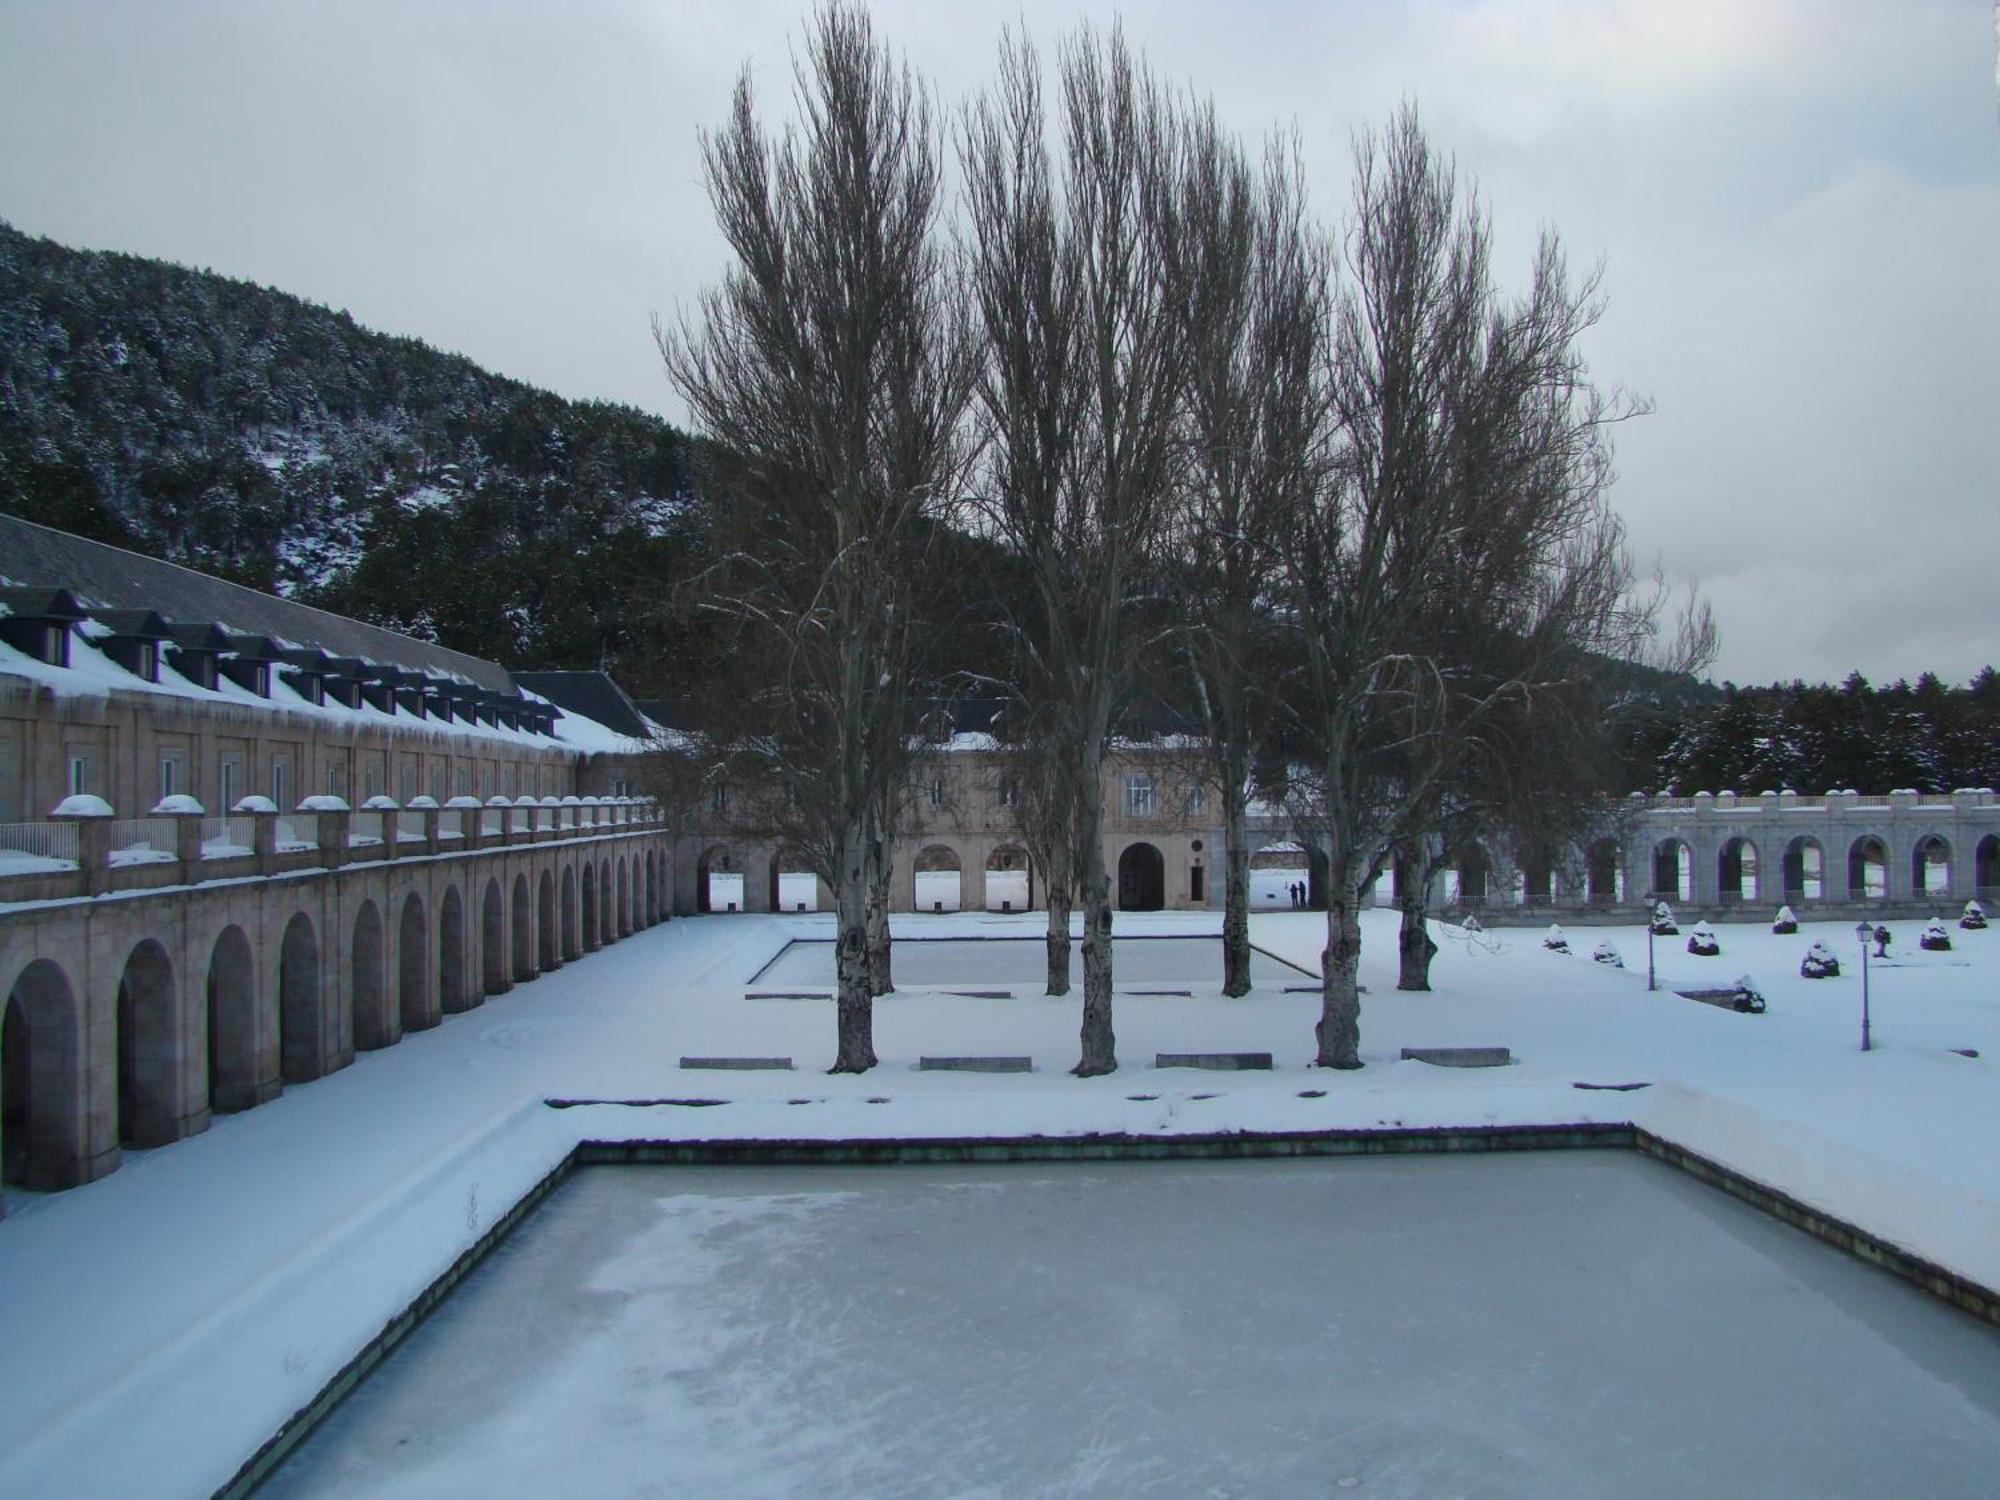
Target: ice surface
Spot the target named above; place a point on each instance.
(1579, 1324)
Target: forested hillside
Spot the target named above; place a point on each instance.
(253, 434)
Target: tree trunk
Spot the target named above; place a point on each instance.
(881, 865)
(1058, 884)
(1099, 1046)
(1339, 1029)
(855, 1002)
(1414, 945)
(1235, 898)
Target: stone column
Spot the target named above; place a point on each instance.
(93, 841)
(187, 841)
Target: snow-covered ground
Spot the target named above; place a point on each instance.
(161, 1323)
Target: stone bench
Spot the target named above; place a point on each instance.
(1459, 1057)
(740, 1064)
(976, 1065)
(1220, 1062)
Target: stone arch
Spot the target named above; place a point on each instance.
(718, 880)
(1276, 872)
(1601, 872)
(299, 1050)
(149, 1048)
(454, 994)
(794, 888)
(937, 879)
(1474, 869)
(1986, 867)
(1867, 869)
(413, 966)
(1930, 868)
(523, 933)
(492, 939)
(652, 887)
(1804, 870)
(1538, 876)
(232, 1022)
(1739, 872)
(1142, 878)
(375, 1024)
(570, 950)
(43, 1116)
(607, 905)
(1673, 870)
(590, 919)
(545, 922)
(1010, 879)
(624, 899)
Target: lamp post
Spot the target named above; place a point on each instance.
(1649, 954)
(1865, 931)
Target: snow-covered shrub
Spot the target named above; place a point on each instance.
(1555, 942)
(1819, 963)
(1663, 921)
(1472, 923)
(1974, 918)
(1786, 922)
(1607, 953)
(1935, 939)
(1702, 941)
(1748, 998)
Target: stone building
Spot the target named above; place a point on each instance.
(241, 839)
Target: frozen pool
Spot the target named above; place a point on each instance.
(1563, 1324)
(1188, 961)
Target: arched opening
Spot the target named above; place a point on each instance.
(492, 940)
(413, 967)
(607, 906)
(1471, 877)
(624, 900)
(652, 888)
(718, 880)
(1930, 868)
(545, 923)
(148, 1031)
(938, 879)
(299, 1052)
(523, 935)
(1010, 879)
(570, 950)
(590, 927)
(453, 995)
(1278, 876)
(41, 1117)
(1673, 871)
(1538, 877)
(1867, 870)
(1142, 878)
(793, 887)
(232, 1023)
(1986, 867)
(1736, 871)
(1601, 872)
(375, 1025)
(1804, 870)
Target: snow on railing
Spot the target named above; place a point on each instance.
(228, 837)
(364, 828)
(22, 842)
(292, 834)
(138, 841)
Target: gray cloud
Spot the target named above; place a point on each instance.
(1797, 203)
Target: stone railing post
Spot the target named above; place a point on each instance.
(187, 815)
(264, 820)
(91, 818)
(333, 830)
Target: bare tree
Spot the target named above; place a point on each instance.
(834, 364)
(1461, 555)
(1258, 275)
(1074, 279)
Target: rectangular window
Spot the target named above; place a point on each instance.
(228, 780)
(10, 810)
(81, 774)
(937, 792)
(1195, 888)
(336, 777)
(465, 781)
(1139, 796)
(406, 780)
(1007, 791)
(281, 781)
(718, 797)
(1197, 800)
(437, 784)
(173, 772)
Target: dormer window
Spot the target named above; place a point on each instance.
(37, 622)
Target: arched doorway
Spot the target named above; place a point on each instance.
(1601, 880)
(1986, 867)
(1867, 869)
(232, 1023)
(413, 967)
(1804, 870)
(1736, 871)
(1673, 871)
(718, 880)
(545, 922)
(523, 934)
(938, 881)
(375, 1025)
(624, 900)
(41, 1119)
(1538, 877)
(298, 1002)
(1278, 876)
(1473, 871)
(794, 888)
(148, 1037)
(652, 890)
(492, 940)
(1142, 878)
(1930, 869)
(570, 950)
(453, 994)
(1010, 879)
(607, 906)
(591, 936)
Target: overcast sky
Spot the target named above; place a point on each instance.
(1797, 203)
